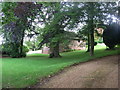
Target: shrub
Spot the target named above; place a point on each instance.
(111, 35)
(6, 49)
(13, 50)
(25, 49)
(95, 43)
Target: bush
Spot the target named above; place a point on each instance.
(95, 43)
(6, 49)
(25, 49)
(13, 50)
(111, 35)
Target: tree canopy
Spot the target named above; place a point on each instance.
(58, 19)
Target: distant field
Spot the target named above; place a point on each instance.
(23, 72)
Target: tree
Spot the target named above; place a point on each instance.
(92, 13)
(17, 18)
(54, 32)
(111, 35)
(56, 16)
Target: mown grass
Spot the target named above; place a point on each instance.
(23, 72)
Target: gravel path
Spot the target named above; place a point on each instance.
(99, 73)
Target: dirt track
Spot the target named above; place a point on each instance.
(99, 73)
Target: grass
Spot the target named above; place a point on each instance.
(23, 72)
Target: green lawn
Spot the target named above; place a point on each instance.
(23, 72)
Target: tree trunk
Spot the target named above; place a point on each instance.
(54, 50)
(22, 54)
(91, 16)
(21, 44)
(92, 43)
(91, 37)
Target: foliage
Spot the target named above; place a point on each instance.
(18, 17)
(7, 50)
(23, 72)
(93, 13)
(25, 49)
(54, 32)
(57, 17)
(8, 9)
(32, 45)
(111, 35)
(83, 32)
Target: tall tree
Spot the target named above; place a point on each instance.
(92, 13)
(54, 31)
(15, 20)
